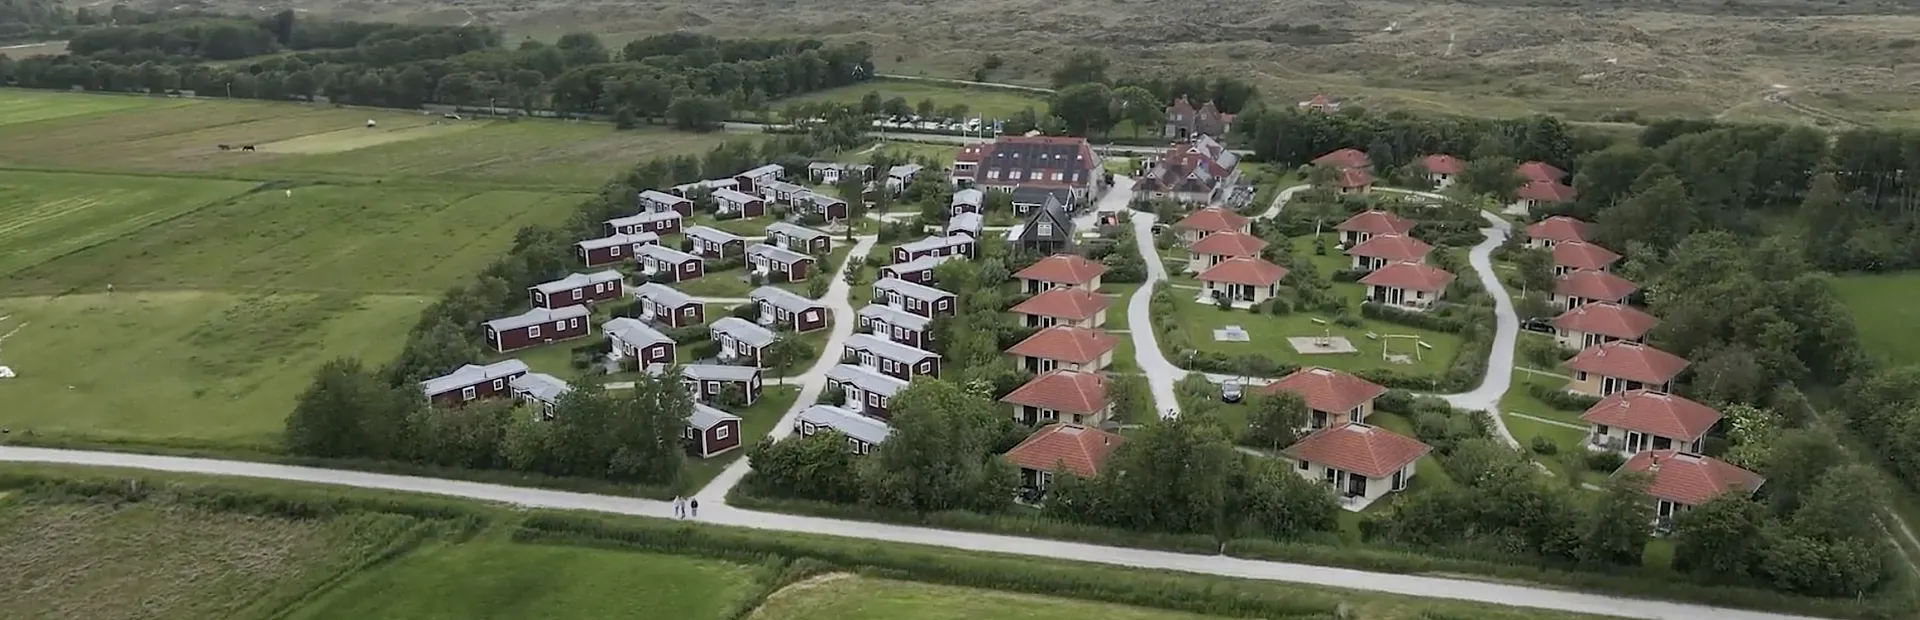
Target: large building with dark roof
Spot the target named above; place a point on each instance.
(1033, 166)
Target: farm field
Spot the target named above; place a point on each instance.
(1879, 304)
(488, 579)
(155, 290)
(848, 597)
(47, 215)
(169, 561)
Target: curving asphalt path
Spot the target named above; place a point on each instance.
(718, 513)
(811, 382)
(1506, 332)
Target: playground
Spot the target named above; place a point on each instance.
(1308, 338)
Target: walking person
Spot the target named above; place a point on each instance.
(693, 508)
(679, 507)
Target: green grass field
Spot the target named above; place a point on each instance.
(168, 561)
(227, 293)
(490, 579)
(986, 102)
(1269, 334)
(1879, 306)
(848, 597)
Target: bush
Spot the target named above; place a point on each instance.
(1605, 461)
(687, 335)
(748, 311)
(1279, 307)
(704, 349)
(1422, 320)
(1349, 275)
(1561, 399)
(1223, 302)
(1346, 319)
(1540, 444)
(686, 244)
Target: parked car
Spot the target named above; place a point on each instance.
(1537, 324)
(1230, 391)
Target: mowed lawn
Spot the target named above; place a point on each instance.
(489, 579)
(847, 597)
(990, 103)
(47, 215)
(329, 238)
(1884, 310)
(1268, 336)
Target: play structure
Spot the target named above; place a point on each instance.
(1417, 346)
(1325, 343)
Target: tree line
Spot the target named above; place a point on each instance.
(677, 75)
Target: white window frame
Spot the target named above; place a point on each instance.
(614, 251)
(576, 322)
(468, 393)
(721, 432)
(689, 311)
(577, 294)
(533, 331)
(499, 384)
(1045, 229)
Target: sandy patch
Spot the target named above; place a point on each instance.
(798, 587)
(29, 50)
(357, 138)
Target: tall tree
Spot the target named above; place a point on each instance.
(1617, 526)
(1085, 66)
(347, 411)
(1275, 421)
(1720, 538)
(1659, 213)
(1140, 107)
(1493, 176)
(939, 456)
(1086, 108)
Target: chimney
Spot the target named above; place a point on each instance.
(1653, 467)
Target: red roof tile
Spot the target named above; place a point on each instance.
(1072, 304)
(1540, 171)
(1230, 243)
(1590, 284)
(1376, 222)
(1358, 448)
(1607, 319)
(1326, 389)
(1251, 271)
(1392, 248)
(1442, 164)
(1659, 413)
(1629, 360)
(1062, 390)
(1344, 158)
(1410, 276)
(1558, 228)
(1212, 219)
(1583, 255)
(1070, 269)
(1546, 191)
(1074, 449)
(1691, 479)
(1353, 177)
(1074, 345)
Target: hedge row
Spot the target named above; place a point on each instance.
(298, 504)
(1561, 399)
(1190, 593)
(1030, 526)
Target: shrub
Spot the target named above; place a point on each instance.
(1561, 399)
(1319, 246)
(1422, 320)
(686, 244)
(1348, 275)
(1605, 461)
(1223, 301)
(1540, 444)
(1279, 307)
(687, 335)
(748, 311)
(704, 349)
(1346, 319)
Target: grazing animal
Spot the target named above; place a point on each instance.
(226, 147)
(247, 148)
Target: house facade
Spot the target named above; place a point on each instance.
(897, 325)
(612, 250)
(1047, 230)
(1060, 271)
(655, 201)
(711, 432)
(1198, 171)
(916, 298)
(890, 358)
(577, 289)
(863, 433)
(788, 310)
(966, 200)
(631, 339)
(1635, 421)
(709, 242)
(753, 180)
(662, 223)
(917, 271)
(540, 391)
(1242, 280)
(734, 202)
(1574, 289)
(740, 340)
(769, 260)
(1333, 397)
(1061, 347)
(1197, 225)
(1382, 250)
(1011, 162)
(1620, 366)
(659, 263)
(1442, 169)
(660, 303)
(1600, 323)
(1366, 225)
(969, 224)
(473, 382)
(799, 238)
(537, 327)
(1413, 286)
(1544, 234)
(864, 389)
(1216, 248)
(1060, 448)
(1184, 121)
(957, 245)
(1066, 396)
(708, 383)
(1071, 306)
(1362, 463)
(1682, 481)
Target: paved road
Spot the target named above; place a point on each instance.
(1506, 333)
(1161, 373)
(812, 381)
(716, 512)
